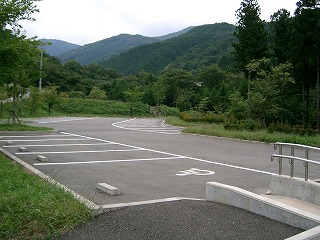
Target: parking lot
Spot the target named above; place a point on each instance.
(143, 158)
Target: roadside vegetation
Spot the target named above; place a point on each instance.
(32, 208)
(261, 135)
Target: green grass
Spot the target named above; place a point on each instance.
(22, 127)
(262, 135)
(79, 106)
(32, 208)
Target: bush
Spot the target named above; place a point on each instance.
(170, 111)
(248, 125)
(291, 130)
(198, 117)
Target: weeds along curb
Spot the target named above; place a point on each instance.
(95, 209)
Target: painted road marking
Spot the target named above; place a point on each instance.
(60, 145)
(33, 136)
(195, 171)
(178, 156)
(45, 140)
(67, 120)
(108, 161)
(73, 152)
(147, 128)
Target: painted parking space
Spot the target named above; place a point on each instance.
(80, 162)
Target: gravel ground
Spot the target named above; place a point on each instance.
(184, 219)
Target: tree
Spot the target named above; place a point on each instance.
(133, 96)
(282, 28)
(159, 92)
(3, 96)
(19, 55)
(177, 81)
(97, 93)
(13, 11)
(35, 99)
(306, 40)
(51, 97)
(251, 35)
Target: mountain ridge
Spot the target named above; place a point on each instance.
(201, 46)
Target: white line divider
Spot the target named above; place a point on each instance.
(59, 145)
(67, 120)
(72, 152)
(170, 154)
(108, 161)
(44, 140)
(142, 129)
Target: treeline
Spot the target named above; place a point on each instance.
(259, 74)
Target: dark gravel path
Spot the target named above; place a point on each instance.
(184, 219)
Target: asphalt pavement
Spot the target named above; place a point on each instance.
(185, 219)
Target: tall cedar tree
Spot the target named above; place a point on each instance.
(252, 37)
(282, 28)
(306, 41)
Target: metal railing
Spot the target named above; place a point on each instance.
(292, 158)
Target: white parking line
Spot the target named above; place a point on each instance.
(179, 156)
(59, 145)
(146, 128)
(107, 161)
(72, 152)
(45, 140)
(33, 136)
(67, 120)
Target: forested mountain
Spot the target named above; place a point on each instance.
(175, 34)
(57, 47)
(201, 46)
(106, 48)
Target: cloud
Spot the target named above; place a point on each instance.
(85, 21)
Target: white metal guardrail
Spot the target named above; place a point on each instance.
(292, 158)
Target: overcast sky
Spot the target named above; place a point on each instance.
(87, 21)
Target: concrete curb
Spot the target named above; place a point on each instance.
(261, 205)
(111, 207)
(95, 209)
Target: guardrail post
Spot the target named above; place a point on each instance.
(306, 165)
(291, 161)
(280, 160)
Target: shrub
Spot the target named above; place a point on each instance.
(194, 116)
(291, 130)
(249, 125)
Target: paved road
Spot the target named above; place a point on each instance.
(144, 158)
(148, 160)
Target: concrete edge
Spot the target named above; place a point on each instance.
(261, 205)
(111, 207)
(313, 233)
(95, 209)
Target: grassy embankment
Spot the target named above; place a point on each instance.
(215, 129)
(32, 208)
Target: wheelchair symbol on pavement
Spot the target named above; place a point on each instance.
(195, 171)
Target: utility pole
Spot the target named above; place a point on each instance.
(40, 79)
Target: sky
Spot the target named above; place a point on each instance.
(86, 21)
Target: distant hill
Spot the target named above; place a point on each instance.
(106, 48)
(57, 46)
(201, 46)
(109, 47)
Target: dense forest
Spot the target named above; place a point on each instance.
(254, 74)
(201, 46)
